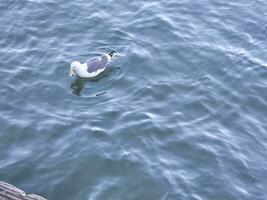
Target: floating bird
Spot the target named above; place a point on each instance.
(92, 67)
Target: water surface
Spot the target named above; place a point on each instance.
(180, 114)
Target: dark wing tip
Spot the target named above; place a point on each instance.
(112, 53)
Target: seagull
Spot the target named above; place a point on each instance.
(92, 67)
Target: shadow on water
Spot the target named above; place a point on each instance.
(78, 83)
(77, 86)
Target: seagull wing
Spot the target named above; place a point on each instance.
(96, 64)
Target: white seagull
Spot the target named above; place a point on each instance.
(92, 67)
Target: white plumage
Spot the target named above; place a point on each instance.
(92, 67)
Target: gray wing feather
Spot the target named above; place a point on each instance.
(97, 63)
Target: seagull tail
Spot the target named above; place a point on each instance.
(112, 53)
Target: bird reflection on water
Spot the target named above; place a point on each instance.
(77, 86)
(78, 83)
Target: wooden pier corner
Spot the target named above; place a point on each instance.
(10, 192)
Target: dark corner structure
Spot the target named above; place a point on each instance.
(10, 192)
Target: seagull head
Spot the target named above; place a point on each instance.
(74, 67)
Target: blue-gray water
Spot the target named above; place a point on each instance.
(180, 114)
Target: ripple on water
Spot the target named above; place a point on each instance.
(182, 108)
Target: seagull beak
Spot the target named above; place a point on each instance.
(71, 73)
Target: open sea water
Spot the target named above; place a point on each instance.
(180, 114)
